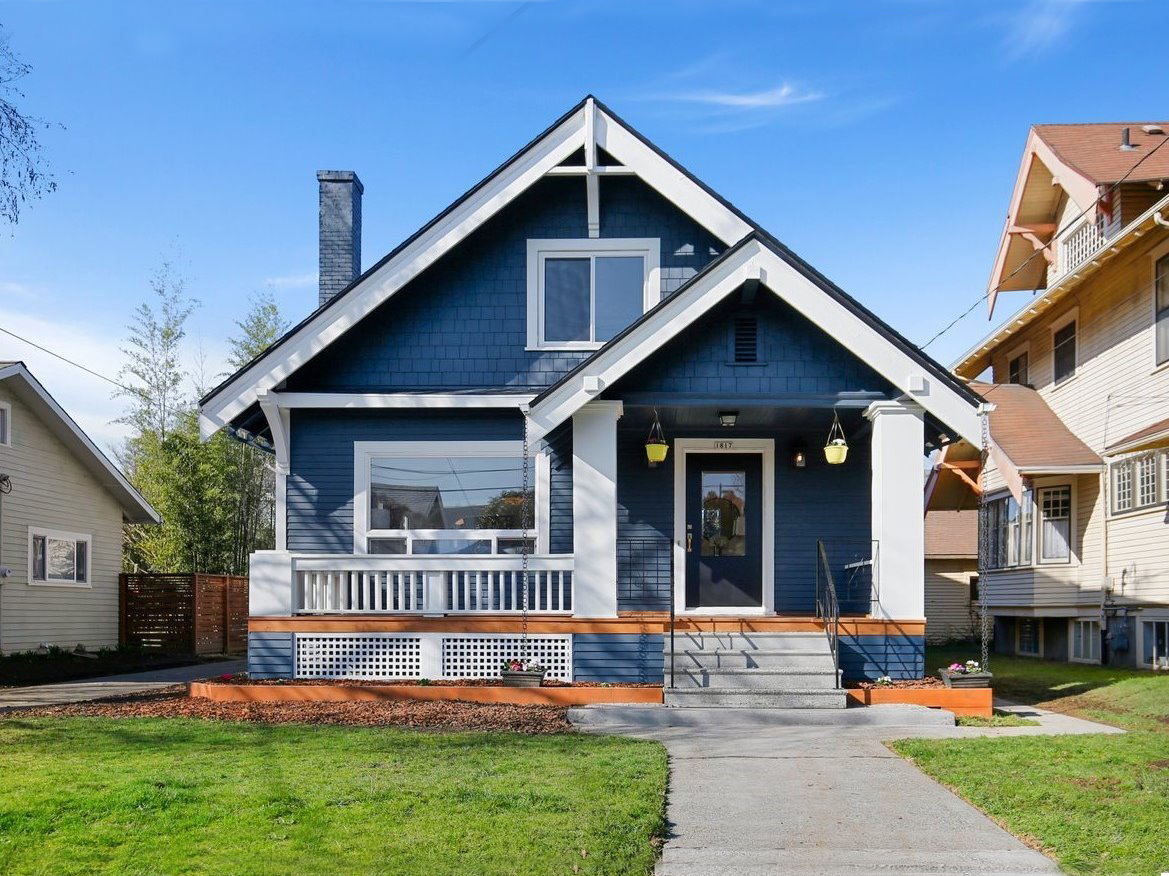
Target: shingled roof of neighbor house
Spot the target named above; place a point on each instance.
(951, 534)
(1150, 436)
(1094, 150)
(1030, 433)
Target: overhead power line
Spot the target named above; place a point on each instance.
(69, 361)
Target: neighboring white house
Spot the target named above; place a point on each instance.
(62, 506)
(951, 576)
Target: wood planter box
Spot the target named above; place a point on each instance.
(523, 678)
(326, 693)
(961, 701)
(965, 679)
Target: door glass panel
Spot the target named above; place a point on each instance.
(724, 506)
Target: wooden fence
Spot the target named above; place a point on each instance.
(184, 613)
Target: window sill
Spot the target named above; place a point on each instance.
(1144, 511)
(1158, 369)
(1065, 381)
(582, 347)
(64, 585)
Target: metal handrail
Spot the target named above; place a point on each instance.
(828, 608)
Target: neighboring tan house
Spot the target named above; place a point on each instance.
(951, 576)
(1077, 480)
(586, 290)
(62, 507)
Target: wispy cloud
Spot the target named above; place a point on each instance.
(1039, 26)
(291, 281)
(772, 98)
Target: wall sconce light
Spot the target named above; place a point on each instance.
(799, 455)
(728, 418)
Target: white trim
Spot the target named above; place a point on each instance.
(6, 434)
(541, 249)
(1068, 317)
(61, 535)
(364, 452)
(1154, 617)
(765, 447)
(1037, 552)
(540, 159)
(131, 497)
(753, 260)
(1155, 255)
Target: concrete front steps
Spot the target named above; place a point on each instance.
(752, 670)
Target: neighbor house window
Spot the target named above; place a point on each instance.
(1161, 306)
(1140, 481)
(1009, 526)
(1028, 641)
(1055, 508)
(1155, 643)
(1017, 370)
(58, 557)
(582, 293)
(5, 423)
(1063, 342)
(1086, 641)
(447, 498)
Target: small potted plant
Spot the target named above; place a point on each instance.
(968, 674)
(522, 673)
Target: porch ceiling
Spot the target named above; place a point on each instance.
(751, 419)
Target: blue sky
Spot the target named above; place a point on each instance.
(880, 140)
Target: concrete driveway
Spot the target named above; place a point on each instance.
(756, 792)
(112, 685)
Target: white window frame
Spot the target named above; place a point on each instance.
(6, 434)
(1141, 620)
(1038, 637)
(364, 452)
(61, 535)
(539, 250)
(1155, 256)
(1039, 520)
(1071, 316)
(1131, 466)
(1094, 649)
(1015, 534)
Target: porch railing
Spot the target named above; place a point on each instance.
(442, 584)
(828, 607)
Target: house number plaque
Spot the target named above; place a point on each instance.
(723, 445)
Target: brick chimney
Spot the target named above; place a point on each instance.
(340, 242)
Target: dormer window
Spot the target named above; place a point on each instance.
(582, 293)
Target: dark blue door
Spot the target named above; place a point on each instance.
(724, 530)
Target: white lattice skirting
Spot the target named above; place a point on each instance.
(425, 655)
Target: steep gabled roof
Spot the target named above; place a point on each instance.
(1093, 151)
(28, 389)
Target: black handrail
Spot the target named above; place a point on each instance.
(828, 607)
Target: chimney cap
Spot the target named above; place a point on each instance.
(348, 176)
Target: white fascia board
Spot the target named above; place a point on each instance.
(98, 459)
(332, 322)
(756, 261)
(669, 181)
(375, 400)
(1044, 470)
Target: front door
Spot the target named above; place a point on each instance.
(724, 530)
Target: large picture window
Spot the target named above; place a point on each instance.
(446, 498)
(60, 558)
(582, 293)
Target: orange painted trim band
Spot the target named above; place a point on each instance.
(975, 701)
(632, 623)
(348, 693)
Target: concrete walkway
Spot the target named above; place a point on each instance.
(756, 792)
(112, 685)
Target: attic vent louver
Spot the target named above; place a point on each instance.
(746, 340)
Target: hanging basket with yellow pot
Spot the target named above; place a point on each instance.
(835, 448)
(656, 447)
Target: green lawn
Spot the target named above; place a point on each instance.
(168, 796)
(1097, 804)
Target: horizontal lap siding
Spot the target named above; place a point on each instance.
(462, 323)
(869, 657)
(948, 610)
(617, 657)
(270, 655)
(320, 484)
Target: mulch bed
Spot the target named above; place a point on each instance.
(437, 715)
(23, 670)
(352, 682)
(904, 684)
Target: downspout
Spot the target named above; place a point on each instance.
(1158, 219)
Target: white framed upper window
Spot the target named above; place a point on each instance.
(582, 293)
(5, 424)
(1055, 534)
(59, 559)
(1064, 348)
(1140, 481)
(448, 497)
(1085, 640)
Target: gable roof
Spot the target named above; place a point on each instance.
(135, 509)
(1092, 150)
(951, 535)
(589, 125)
(760, 257)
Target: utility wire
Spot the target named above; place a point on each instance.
(1045, 246)
(69, 361)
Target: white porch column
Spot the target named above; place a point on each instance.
(594, 509)
(898, 521)
(270, 584)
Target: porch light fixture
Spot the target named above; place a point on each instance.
(656, 447)
(799, 455)
(728, 418)
(835, 448)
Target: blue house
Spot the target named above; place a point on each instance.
(471, 415)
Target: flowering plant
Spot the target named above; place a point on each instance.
(517, 665)
(885, 681)
(964, 668)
